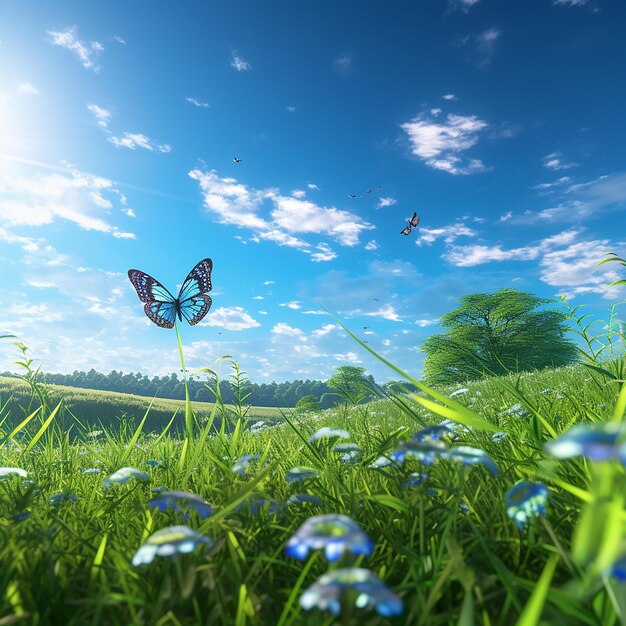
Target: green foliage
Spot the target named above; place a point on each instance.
(308, 403)
(493, 334)
(612, 257)
(351, 384)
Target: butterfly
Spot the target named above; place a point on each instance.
(353, 195)
(162, 307)
(413, 222)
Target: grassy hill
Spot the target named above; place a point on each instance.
(93, 407)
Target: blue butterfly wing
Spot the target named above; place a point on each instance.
(163, 314)
(160, 305)
(193, 302)
(195, 308)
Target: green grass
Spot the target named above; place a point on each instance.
(70, 564)
(105, 408)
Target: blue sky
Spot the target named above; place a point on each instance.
(500, 123)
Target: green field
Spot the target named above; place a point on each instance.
(445, 547)
(93, 408)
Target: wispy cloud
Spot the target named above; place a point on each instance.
(342, 64)
(485, 43)
(298, 193)
(571, 3)
(295, 305)
(449, 233)
(27, 89)
(439, 144)
(383, 202)
(198, 103)
(312, 186)
(553, 161)
(68, 39)
(119, 40)
(137, 140)
(288, 218)
(239, 63)
(559, 182)
(463, 5)
(291, 109)
(371, 245)
(449, 96)
(37, 198)
(102, 115)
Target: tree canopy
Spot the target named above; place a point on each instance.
(494, 334)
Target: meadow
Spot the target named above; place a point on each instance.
(430, 538)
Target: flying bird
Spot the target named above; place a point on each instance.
(161, 306)
(413, 222)
(236, 160)
(352, 195)
(376, 299)
(366, 327)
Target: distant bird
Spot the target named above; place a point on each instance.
(413, 222)
(376, 299)
(365, 341)
(366, 327)
(352, 195)
(236, 160)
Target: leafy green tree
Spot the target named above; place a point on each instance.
(308, 403)
(496, 334)
(351, 384)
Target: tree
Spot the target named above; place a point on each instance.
(494, 334)
(308, 403)
(351, 384)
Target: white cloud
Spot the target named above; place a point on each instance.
(295, 305)
(449, 96)
(555, 183)
(102, 115)
(198, 103)
(469, 256)
(435, 112)
(506, 217)
(137, 140)
(130, 212)
(449, 233)
(291, 109)
(86, 53)
(27, 89)
(258, 297)
(288, 331)
(239, 63)
(324, 253)
(424, 322)
(314, 313)
(342, 64)
(236, 204)
(230, 318)
(553, 162)
(38, 198)
(298, 193)
(262, 312)
(269, 282)
(386, 311)
(439, 144)
(119, 39)
(371, 245)
(383, 202)
(312, 186)
(350, 357)
(324, 330)
(571, 3)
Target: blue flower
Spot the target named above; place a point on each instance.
(255, 503)
(168, 542)
(302, 498)
(241, 465)
(123, 475)
(300, 473)
(371, 592)
(62, 497)
(21, 516)
(427, 452)
(327, 432)
(8, 472)
(334, 533)
(618, 569)
(526, 499)
(470, 456)
(414, 480)
(179, 500)
(153, 464)
(596, 442)
(433, 433)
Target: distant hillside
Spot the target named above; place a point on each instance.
(92, 407)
